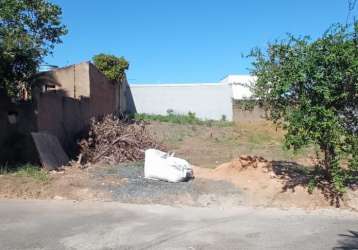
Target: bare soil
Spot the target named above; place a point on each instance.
(263, 186)
(73, 184)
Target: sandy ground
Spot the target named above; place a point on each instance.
(263, 186)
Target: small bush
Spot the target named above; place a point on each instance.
(26, 170)
(32, 171)
(111, 66)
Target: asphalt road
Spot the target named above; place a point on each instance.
(99, 225)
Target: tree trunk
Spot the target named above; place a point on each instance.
(329, 158)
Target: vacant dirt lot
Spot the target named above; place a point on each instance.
(221, 179)
(210, 146)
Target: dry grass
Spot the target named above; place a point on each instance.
(210, 146)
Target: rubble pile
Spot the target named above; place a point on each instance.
(253, 161)
(243, 162)
(112, 140)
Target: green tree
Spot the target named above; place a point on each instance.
(112, 66)
(311, 88)
(29, 30)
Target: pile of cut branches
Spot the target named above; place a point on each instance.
(112, 140)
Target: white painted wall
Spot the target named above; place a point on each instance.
(240, 85)
(206, 100)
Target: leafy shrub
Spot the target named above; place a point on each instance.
(113, 67)
(310, 87)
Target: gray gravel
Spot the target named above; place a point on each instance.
(134, 188)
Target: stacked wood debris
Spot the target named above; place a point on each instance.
(112, 140)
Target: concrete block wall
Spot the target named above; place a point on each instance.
(103, 93)
(72, 80)
(64, 101)
(81, 92)
(126, 104)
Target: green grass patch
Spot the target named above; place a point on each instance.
(26, 170)
(189, 118)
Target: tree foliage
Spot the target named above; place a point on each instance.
(29, 30)
(112, 66)
(311, 88)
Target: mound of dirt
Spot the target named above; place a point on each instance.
(265, 183)
(231, 170)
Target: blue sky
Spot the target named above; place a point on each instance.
(186, 40)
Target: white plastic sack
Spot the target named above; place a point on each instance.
(159, 165)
